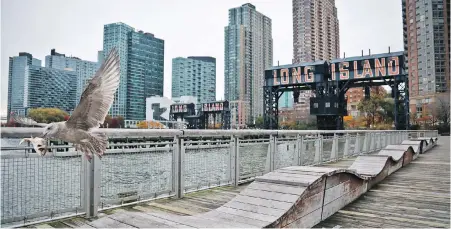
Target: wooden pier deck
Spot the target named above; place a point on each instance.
(414, 196)
(417, 195)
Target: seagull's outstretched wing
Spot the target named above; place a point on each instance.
(98, 96)
(27, 121)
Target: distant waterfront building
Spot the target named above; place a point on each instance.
(84, 69)
(427, 49)
(248, 52)
(141, 68)
(16, 81)
(48, 87)
(100, 57)
(158, 108)
(315, 37)
(194, 76)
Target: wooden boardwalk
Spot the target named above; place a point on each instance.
(415, 196)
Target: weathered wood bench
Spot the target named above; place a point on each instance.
(297, 196)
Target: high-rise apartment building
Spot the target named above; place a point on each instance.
(315, 30)
(427, 50)
(248, 52)
(33, 86)
(49, 87)
(16, 81)
(141, 68)
(315, 37)
(194, 76)
(85, 69)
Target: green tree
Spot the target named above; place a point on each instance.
(387, 111)
(259, 122)
(47, 115)
(370, 107)
(443, 114)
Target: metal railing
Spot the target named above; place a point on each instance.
(142, 165)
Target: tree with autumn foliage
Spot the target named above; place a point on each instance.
(116, 122)
(47, 115)
(150, 125)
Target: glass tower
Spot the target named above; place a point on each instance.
(16, 81)
(85, 69)
(194, 76)
(48, 87)
(141, 68)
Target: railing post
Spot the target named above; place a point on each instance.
(346, 148)
(272, 151)
(299, 148)
(365, 143)
(390, 138)
(372, 142)
(357, 144)
(334, 153)
(90, 196)
(318, 144)
(178, 158)
(235, 161)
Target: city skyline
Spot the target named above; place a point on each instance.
(82, 36)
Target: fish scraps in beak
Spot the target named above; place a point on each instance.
(39, 144)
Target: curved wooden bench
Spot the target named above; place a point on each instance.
(297, 196)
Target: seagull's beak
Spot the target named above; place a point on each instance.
(43, 135)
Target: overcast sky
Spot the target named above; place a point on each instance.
(188, 27)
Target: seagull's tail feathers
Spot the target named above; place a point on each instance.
(98, 143)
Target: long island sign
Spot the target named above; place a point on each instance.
(351, 68)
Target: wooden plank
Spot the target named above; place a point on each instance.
(295, 175)
(288, 189)
(252, 215)
(254, 208)
(395, 154)
(337, 179)
(43, 225)
(282, 197)
(308, 205)
(107, 222)
(264, 202)
(307, 221)
(337, 191)
(337, 204)
(395, 167)
(137, 219)
(163, 221)
(296, 181)
(311, 169)
(76, 223)
(245, 222)
(192, 221)
(173, 208)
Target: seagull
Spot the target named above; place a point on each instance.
(89, 114)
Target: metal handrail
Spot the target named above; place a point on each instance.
(242, 155)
